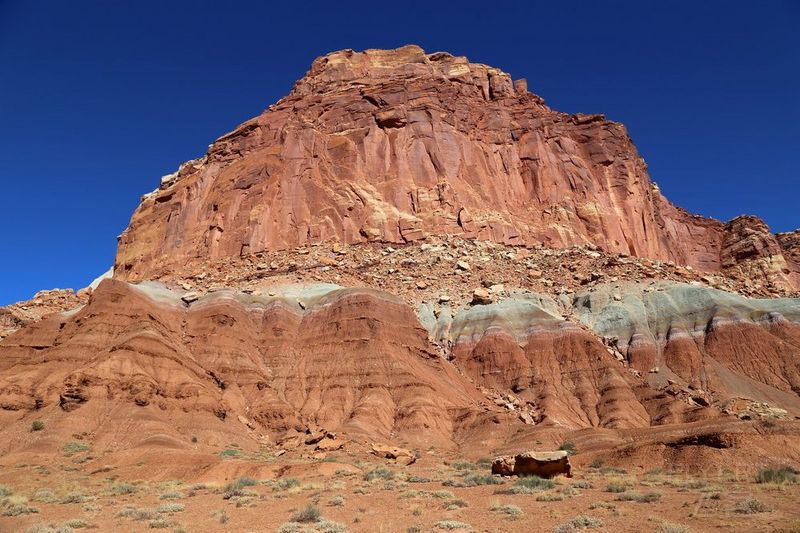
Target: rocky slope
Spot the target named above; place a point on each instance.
(394, 145)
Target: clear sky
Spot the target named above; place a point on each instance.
(99, 99)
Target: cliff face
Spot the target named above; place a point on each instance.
(394, 145)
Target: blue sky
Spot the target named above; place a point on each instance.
(100, 99)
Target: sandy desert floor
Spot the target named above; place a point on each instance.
(347, 493)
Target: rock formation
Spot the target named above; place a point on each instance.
(533, 463)
(408, 251)
(394, 145)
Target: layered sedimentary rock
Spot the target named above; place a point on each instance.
(363, 363)
(349, 360)
(705, 338)
(392, 145)
(751, 251)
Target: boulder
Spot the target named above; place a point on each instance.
(399, 456)
(503, 466)
(533, 463)
(481, 296)
(542, 464)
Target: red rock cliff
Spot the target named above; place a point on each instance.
(392, 145)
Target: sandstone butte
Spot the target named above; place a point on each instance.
(413, 252)
(395, 145)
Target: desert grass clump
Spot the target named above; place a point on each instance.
(671, 527)
(512, 512)
(329, 526)
(451, 525)
(71, 448)
(73, 497)
(549, 497)
(237, 488)
(607, 470)
(285, 483)
(458, 503)
(778, 475)
(530, 484)
(170, 508)
(170, 495)
(310, 513)
(379, 473)
(17, 506)
(616, 487)
(44, 496)
(603, 505)
(578, 523)
(138, 513)
(5, 490)
(159, 523)
(647, 497)
(230, 453)
(568, 447)
(336, 501)
(475, 479)
(121, 489)
(37, 425)
(76, 523)
(751, 506)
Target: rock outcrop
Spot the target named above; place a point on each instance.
(533, 463)
(393, 145)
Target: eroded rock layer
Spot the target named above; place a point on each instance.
(393, 145)
(349, 360)
(363, 363)
(705, 338)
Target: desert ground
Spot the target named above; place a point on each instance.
(256, 490)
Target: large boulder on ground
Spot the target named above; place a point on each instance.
(542, 464)
(503, 466)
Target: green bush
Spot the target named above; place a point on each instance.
(568, 447)
(230, 453)
(37, 425)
